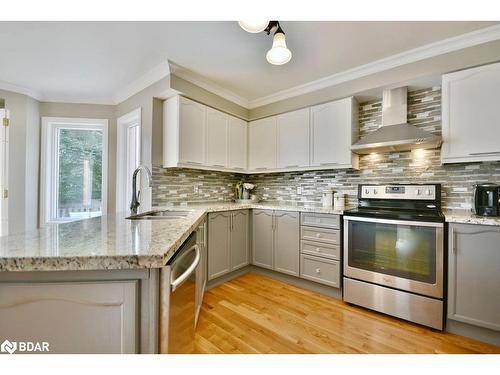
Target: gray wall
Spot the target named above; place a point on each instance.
(48, 109)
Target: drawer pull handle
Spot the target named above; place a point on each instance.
(318, 270)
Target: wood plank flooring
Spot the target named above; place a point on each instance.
(257, 314)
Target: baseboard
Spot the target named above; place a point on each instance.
(292, 280)
(477, 333)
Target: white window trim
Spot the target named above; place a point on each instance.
(122, 124)
(47, 162)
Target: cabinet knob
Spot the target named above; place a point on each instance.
(318, 270)
(318, 250)
(318, 235)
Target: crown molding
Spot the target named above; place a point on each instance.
(147, 79)
(207, 84)
(20, 90)
(429, 50)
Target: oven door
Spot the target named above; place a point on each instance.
(401, 254)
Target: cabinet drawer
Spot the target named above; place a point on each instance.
(330, 236)
(320, 249)
(320, 270)
(320, 220)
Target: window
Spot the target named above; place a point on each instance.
(73, 169)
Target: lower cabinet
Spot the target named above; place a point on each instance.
(275, 242)
(474, 275)
(72, 317)
(201, 274)
(227, 242)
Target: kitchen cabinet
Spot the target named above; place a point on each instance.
(286, 242)
(219, 262)
(73, 317)
(201, 274)
(275, 242)
(470, 121)
(217, 138)
(239, 239)
(293, 139)
(199, 137)
(333, 131)
(262, 144)
(238, 139)
(227, 242)
(474, 275)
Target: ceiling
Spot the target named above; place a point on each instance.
(92, 61)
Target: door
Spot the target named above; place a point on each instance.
(218, 244)
(262, 238)
(474, 275)
(239, 239)
(286, 242)
(192, 124)
(293, 139)
(238, 137)
(400, 254)
(128, 157)
(471, 125)
(331, 126)
(4, 172)
(217, 138)
(262, 144)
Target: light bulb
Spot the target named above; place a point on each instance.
(253, 26)
(279, 54)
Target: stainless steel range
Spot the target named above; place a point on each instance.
(393, 252)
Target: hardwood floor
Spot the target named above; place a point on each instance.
(257, 314)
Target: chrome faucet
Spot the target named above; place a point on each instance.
(135, 195)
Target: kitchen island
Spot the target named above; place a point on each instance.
(101, 276)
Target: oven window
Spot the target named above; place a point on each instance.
(404, 251)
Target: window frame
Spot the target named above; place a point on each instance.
(48, 163)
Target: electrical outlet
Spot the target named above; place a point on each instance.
(299, 190)
(196, 188)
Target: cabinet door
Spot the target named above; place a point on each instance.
(238, 137)
(73, 317)
(471, 125)
(218, 244)
(474, 275)
(331, 133)
(192, 124)
(293, 139)
(262, 144)
(217, 140)
(286, 242)
(262, 238)
(239, 239)
(201, 274)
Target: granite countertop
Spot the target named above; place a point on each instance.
(467, 217)
(112, 241)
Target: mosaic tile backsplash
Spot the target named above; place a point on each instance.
(422, 166)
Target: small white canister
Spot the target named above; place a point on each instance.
(339, 201)
(327, 198)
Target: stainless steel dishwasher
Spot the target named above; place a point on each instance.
(177, 299)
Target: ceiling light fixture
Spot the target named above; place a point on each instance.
(279, 54)
(253, 26)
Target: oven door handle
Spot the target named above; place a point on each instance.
(395, 222)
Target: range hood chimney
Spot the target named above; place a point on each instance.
(395, 134)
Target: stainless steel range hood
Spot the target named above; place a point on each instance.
(395, 134)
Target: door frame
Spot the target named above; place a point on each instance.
(123, 123)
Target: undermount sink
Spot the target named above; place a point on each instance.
(160, 215)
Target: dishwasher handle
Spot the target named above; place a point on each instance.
(174, 284)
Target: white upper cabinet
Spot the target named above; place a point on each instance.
(293, 139)
(471, 125)
(217, 138)
(238, 136)
(192, 132)
(262, 144)
(333, 130)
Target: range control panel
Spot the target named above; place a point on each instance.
(409, 192)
